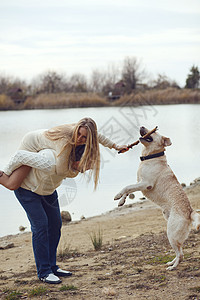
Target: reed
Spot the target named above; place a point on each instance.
(6, 103)
(65, 100)
(160, 97)
(137, 98)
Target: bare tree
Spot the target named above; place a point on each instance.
(131, 73)
(5, 84)
(97, 81)
(113, 76)
(104, 81)
(164, 82)
(8, 83)
(78, 83)
(49, 82)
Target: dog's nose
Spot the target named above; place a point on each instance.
(143, 130)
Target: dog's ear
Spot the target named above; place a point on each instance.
(166, 141)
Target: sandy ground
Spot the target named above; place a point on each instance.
(130, 265)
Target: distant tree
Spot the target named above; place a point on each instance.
(15, 88)
(78, 83)
(164, 82)
(97, 81)
(8, 83)
(49, 82)
(113, 75)
(131, 73)
(5, 84)
(193, 79)
(104, 81)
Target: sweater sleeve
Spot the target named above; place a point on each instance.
(105, 141)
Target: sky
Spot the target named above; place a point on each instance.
(81, 36)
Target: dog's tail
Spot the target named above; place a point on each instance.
(195, 220)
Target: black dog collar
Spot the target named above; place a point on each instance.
(142, 158)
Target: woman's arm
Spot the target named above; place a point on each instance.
(108, 143)
(15, 180)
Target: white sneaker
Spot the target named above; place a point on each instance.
(51, 278)
(62, 273)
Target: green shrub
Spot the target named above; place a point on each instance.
(68, 288)
(14, 295)
(97, 239)
(37, 291)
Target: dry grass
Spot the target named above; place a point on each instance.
(68, 100)
(159, 97)
(64, 100)
(129, 269)
(6, 102)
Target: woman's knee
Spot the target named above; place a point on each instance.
(39, 228)
(9, 183)
(14, 181)
(56, 225)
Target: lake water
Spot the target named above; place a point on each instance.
(179, 122)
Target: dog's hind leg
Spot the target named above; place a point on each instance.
(179, 256)
(195, 220)
(177, 231)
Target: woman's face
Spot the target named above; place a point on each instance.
(82, 136)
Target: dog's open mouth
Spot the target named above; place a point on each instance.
(144, 131)
(148, 139)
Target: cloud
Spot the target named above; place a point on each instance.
(82, 35)
(179, 5)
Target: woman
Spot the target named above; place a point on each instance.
(44, 159)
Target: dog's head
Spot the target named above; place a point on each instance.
(155, 142)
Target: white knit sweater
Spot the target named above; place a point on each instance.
(45, 183)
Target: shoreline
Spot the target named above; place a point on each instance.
(138, 206)
(113, 213)
(138, 97)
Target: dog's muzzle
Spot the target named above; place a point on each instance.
(144, 131)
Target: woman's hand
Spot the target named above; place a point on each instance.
(122, 148)
(1, 173)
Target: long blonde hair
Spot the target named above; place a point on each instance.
(91, 155)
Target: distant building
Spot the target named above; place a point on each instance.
(142, 86)
(118, 91)
(16, 94)
(120, 88)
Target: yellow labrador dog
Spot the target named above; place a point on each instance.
(159, 184)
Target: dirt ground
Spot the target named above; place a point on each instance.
(130, 265)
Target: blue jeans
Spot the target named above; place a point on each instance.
(44, 215)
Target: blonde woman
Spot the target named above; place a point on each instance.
(44, 159)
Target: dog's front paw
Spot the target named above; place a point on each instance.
(121, 202)
(118, 196)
